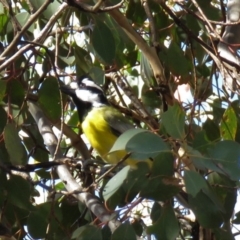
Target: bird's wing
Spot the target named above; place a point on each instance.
(117, 122)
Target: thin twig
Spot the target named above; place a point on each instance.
(114, 167)
(152, 25)
(94, 9)
(18, 36)
(182, 25)
(137, 104)
(150, 53)
(72, 28)
(38, 40)
(222, 23)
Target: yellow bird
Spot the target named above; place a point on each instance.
(101, 123)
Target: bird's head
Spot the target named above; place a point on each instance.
(85, 94)
(86, 91)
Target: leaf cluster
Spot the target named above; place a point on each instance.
(158, 65)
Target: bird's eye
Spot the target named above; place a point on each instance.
(82, 85)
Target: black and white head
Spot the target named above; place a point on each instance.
(85, 94)
(88, 91)
(84, 90)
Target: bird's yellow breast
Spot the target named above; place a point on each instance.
(101, 137)
(98, 132)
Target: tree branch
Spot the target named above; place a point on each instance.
(152, 25)
(18, 36)
(93, 9)
(149, 52)
(64, 174)
(39, 39)
(152, 123)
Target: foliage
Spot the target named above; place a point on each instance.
(158, 63)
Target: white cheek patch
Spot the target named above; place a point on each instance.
(74, 85)
(87, 96)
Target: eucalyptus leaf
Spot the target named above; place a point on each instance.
(14, 146)
(141, 143)
(88, 232)
(103, 42)
(228, 125)
(124, 231)
(49, 99)
(174, 121)
(166, 227)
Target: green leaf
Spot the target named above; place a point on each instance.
(150, 98)
(13, 143)
(4, 153)
(228, 126)
(49, 99)
(15, 92)
(124, 231)
(136, 180)
(38, 153)
(199, 161)
(173, 121)
(3, 119)
(156, 211)
(69, 212)
(226, 158)
(50, 10)
(83, 60)
(194, 182)
(82, 209)
(192, 23)
(160, 188)
(103, 42)
(163, 164)
(207, 213)
(225, 190)
(39, 219)
(212, 130)
(141, 143)
(73, 120)
(135, 12)
(166, 227)
(146, 71)
(1, 8)
(201, 142)
(34, 142)
(97, 74)
(138, 227)
(210, 11)
(126, 184)
(223, 158)
(22, 18)
(18, 192)
(3, 21)
(225, 232)
(106, 233)
(115, 183)
(87, 232)
(3, 86)
(174, 58)
(65, 58)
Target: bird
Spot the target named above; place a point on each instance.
(101, 123)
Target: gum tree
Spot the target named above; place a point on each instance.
(171, 67)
